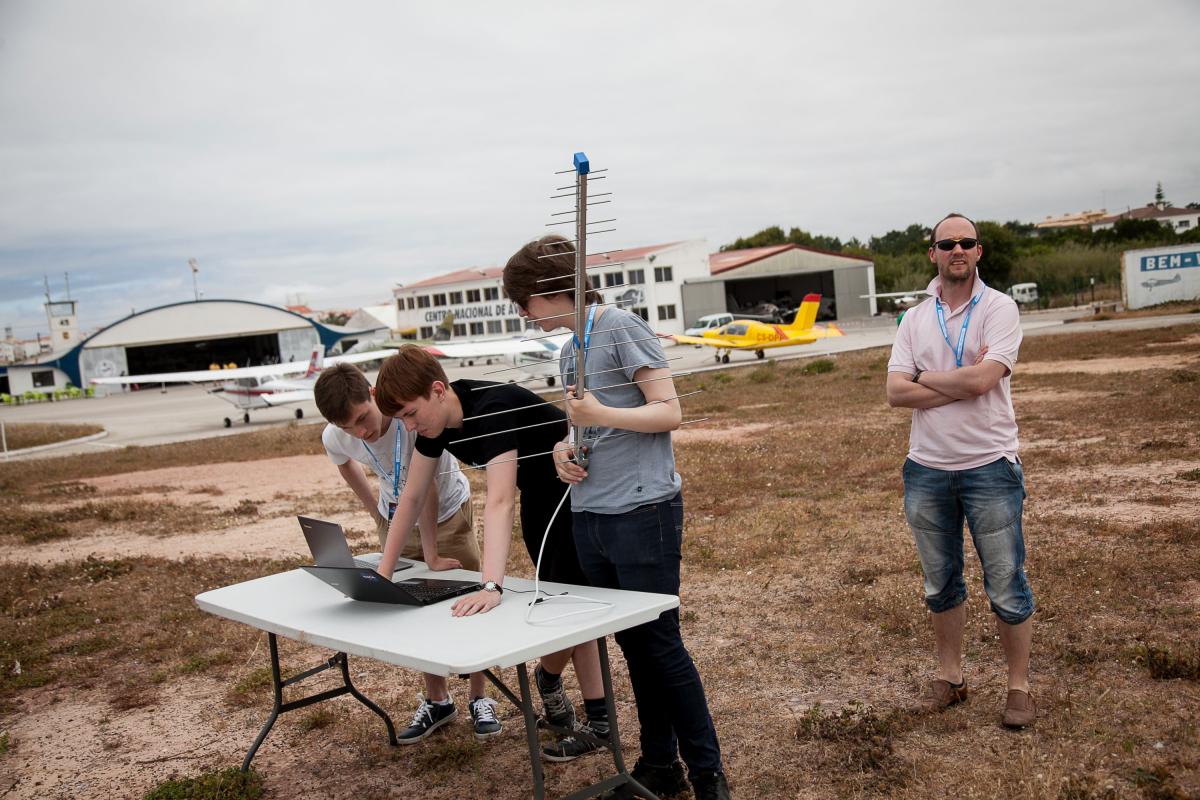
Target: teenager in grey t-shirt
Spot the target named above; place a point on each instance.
(625, 470)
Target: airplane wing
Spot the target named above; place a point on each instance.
(500, 347)
(281, 398)
(913, 293)
(358, 358)
(710, 341)
(205, 375)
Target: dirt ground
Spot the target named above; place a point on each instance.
(801, 603)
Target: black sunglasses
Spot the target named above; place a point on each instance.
(948, 244)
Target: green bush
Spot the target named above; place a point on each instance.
(229, 784)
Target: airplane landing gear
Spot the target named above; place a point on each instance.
(725, 358)
(246, 418)
(717, 358)
(228, 422)
(760, 354)
(299, 413)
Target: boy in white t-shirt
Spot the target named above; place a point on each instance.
(358, 433)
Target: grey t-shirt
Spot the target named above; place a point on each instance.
(626, 469)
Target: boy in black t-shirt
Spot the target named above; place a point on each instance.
(477, 423)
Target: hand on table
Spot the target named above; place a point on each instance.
(440, 563)
(478, 603)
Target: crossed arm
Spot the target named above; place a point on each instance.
(939, 388)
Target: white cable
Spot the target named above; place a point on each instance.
(537, 569)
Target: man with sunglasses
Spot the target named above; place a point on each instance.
(951, 363)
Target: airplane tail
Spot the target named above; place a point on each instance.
(806, 315)
(315, 362)
(444, 331)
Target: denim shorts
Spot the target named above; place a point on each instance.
(991, 499)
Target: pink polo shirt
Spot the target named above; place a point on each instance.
(966, 433)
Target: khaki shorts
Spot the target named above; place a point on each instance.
(455, 539)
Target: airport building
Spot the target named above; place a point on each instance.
(185, 336)
(646, 280)
(782, 275)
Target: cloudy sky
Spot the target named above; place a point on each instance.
(331, 150)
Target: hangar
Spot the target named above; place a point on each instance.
(186, 336)
(782, 274)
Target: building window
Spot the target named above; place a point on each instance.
(399, 303)
(512, 326)
(477, 329)
(595, 281)
(641, 312)
(426, 331)
(612, 279)
(636, 276)
(460, 329)
(43, 379)
(456, 298)
(439, 300)
(666, 312)
(411, 303)
(423, 301)
(473, 296)
(1185, 223)
(530, 326)
(663, 275)
(491, 293)
(495, 326)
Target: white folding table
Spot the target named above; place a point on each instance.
(299, 606)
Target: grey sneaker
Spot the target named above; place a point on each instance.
(569, 748)
(483, 717)
(556, 708)
(428, 718)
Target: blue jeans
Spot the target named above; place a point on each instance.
(640, 551)
(991, 499)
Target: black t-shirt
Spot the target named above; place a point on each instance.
(483, 397)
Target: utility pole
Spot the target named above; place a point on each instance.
(195, 268)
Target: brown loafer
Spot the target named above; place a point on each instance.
(941, 694)
(1020, 710)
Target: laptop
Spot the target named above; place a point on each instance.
(357, 578)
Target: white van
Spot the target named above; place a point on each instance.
(707, 323)
(1024, 293)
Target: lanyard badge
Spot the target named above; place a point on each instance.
(395, 476)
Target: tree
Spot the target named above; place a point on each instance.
(1160, 199)
(913, 239)
(764, 238)
(999, 254)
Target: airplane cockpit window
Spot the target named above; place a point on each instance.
(248, 383)
(734, 330)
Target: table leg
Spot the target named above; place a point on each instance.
(279, 707)
(531, 735)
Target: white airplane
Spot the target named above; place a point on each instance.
(901, 299)
(537, 358)
(256, 387)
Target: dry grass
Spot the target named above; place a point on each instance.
(801, 604)
(20, 435)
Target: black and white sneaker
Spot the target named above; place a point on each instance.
(483, 717)
(569, 748)
(556, 708)
(427, 719)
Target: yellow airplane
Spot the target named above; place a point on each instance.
(747, 334)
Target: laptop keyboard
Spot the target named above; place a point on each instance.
(422, 592)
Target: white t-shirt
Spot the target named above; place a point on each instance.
(452, 487)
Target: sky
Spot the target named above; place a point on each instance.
(328, 151)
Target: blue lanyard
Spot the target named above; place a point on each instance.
(587, 330)
(395, 462)
(587, 336)
(962, 333)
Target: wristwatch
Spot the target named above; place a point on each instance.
(917, 377)
(492, 586)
